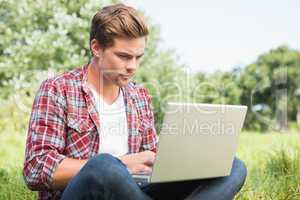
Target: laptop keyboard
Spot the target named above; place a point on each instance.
(141, 179)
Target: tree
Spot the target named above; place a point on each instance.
(272, 81)
(42, 38)
(219, 87)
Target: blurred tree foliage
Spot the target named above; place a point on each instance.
(43, 38)
(219, 87)
(39, 39)
(272, 81)
(266, 86)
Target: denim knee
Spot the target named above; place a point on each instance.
(239, 171)
(105, 169)
(100, 161)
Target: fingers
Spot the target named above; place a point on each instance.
(148, 157)
(139, 162)
(141, 169)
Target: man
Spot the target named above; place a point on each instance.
(91, 127)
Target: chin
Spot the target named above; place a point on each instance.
(122, 83)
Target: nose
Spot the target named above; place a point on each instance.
(132, 65)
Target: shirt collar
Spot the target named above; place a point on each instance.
(128, 90)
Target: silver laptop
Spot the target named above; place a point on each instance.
(196, 141)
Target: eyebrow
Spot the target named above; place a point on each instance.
(128, 54)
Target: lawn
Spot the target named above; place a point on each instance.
(272, 159)
(273, 162)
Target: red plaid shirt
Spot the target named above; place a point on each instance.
(65, 123)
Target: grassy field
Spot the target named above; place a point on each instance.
(273, 162)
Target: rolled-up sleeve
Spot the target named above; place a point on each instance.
(149, 138)
(46, 137)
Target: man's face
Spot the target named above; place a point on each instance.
(119, 62)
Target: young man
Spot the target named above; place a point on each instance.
(92, 126)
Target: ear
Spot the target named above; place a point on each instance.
(96, 48)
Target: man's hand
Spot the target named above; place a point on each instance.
(65, 171)
(139, 162)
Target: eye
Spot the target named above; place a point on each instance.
(124, 57)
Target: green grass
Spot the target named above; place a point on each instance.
(12, 186)
(272, 159)
(273, 162)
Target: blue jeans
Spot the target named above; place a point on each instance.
(106, 177)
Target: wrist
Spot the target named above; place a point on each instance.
(122, 158)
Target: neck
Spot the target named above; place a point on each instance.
(105, 88)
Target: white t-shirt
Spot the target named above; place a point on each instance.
(113, 125)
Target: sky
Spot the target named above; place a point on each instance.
(211, 35)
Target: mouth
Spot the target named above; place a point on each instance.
(125, 77)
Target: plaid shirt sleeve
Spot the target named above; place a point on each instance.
(46, 137)
(149, 138)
